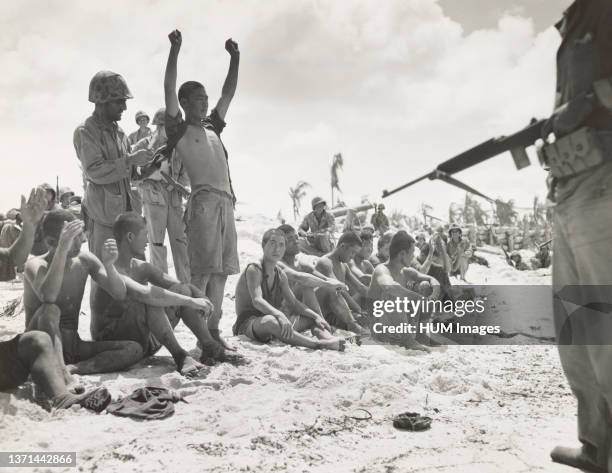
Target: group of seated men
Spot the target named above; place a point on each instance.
(133, 312)
(280, 297)
(137, 306)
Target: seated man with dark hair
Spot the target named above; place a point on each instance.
(304, 280)
(261, 293)
(338, 311)
(154, 305)
(360, 265)
(382, 246)
(32, 353)
(53, 286)
(391, 280)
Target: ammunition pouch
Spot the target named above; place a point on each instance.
(577, 152)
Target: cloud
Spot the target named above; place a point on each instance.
(395, 86)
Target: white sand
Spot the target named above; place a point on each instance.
(494, 409)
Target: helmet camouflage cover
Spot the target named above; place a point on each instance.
(107, 86)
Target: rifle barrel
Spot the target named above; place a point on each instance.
(482, 152)
(387, 193)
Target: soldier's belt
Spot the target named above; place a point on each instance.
(577, 152)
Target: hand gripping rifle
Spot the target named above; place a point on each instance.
(515, 143)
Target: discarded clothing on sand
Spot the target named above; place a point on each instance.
(149, 403)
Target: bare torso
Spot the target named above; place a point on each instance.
(201, 152)
(70, 296)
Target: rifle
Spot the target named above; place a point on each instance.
(177, 185)
(516, 144)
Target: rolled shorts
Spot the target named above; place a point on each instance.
(211, 233)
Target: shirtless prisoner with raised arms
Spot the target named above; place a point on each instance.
(211, 231)
(54, 284)
(262, 292)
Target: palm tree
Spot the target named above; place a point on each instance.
(297, 193)
(539, 210)
(336, 166)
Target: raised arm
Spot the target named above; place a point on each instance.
(46, 281)
(172, 104)
(105, 273)
(31, 214)
(231, 80)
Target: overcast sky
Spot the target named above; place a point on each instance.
(397, 86)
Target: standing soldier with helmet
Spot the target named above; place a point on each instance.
(142, 120)
(104, 152)
(162, 191)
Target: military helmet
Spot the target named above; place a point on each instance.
(381, 206)
(454, 227)
(106, 86)
(141, 114)
(316, 201)
(160, 117)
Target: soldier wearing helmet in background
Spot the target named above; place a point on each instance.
(142, 120)
(459, 251)
(162, 202)
(318, 226)
(104, 152)
(379, 220)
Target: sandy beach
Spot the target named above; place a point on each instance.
(494, 408)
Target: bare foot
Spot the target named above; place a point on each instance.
(337, 344)
(576, 458)
(68, 370)
(216, 335)
(190, 367)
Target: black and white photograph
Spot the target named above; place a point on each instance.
(306, 236)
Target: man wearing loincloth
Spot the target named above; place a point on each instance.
(154, 305)
(211, 231)
(262, 291)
